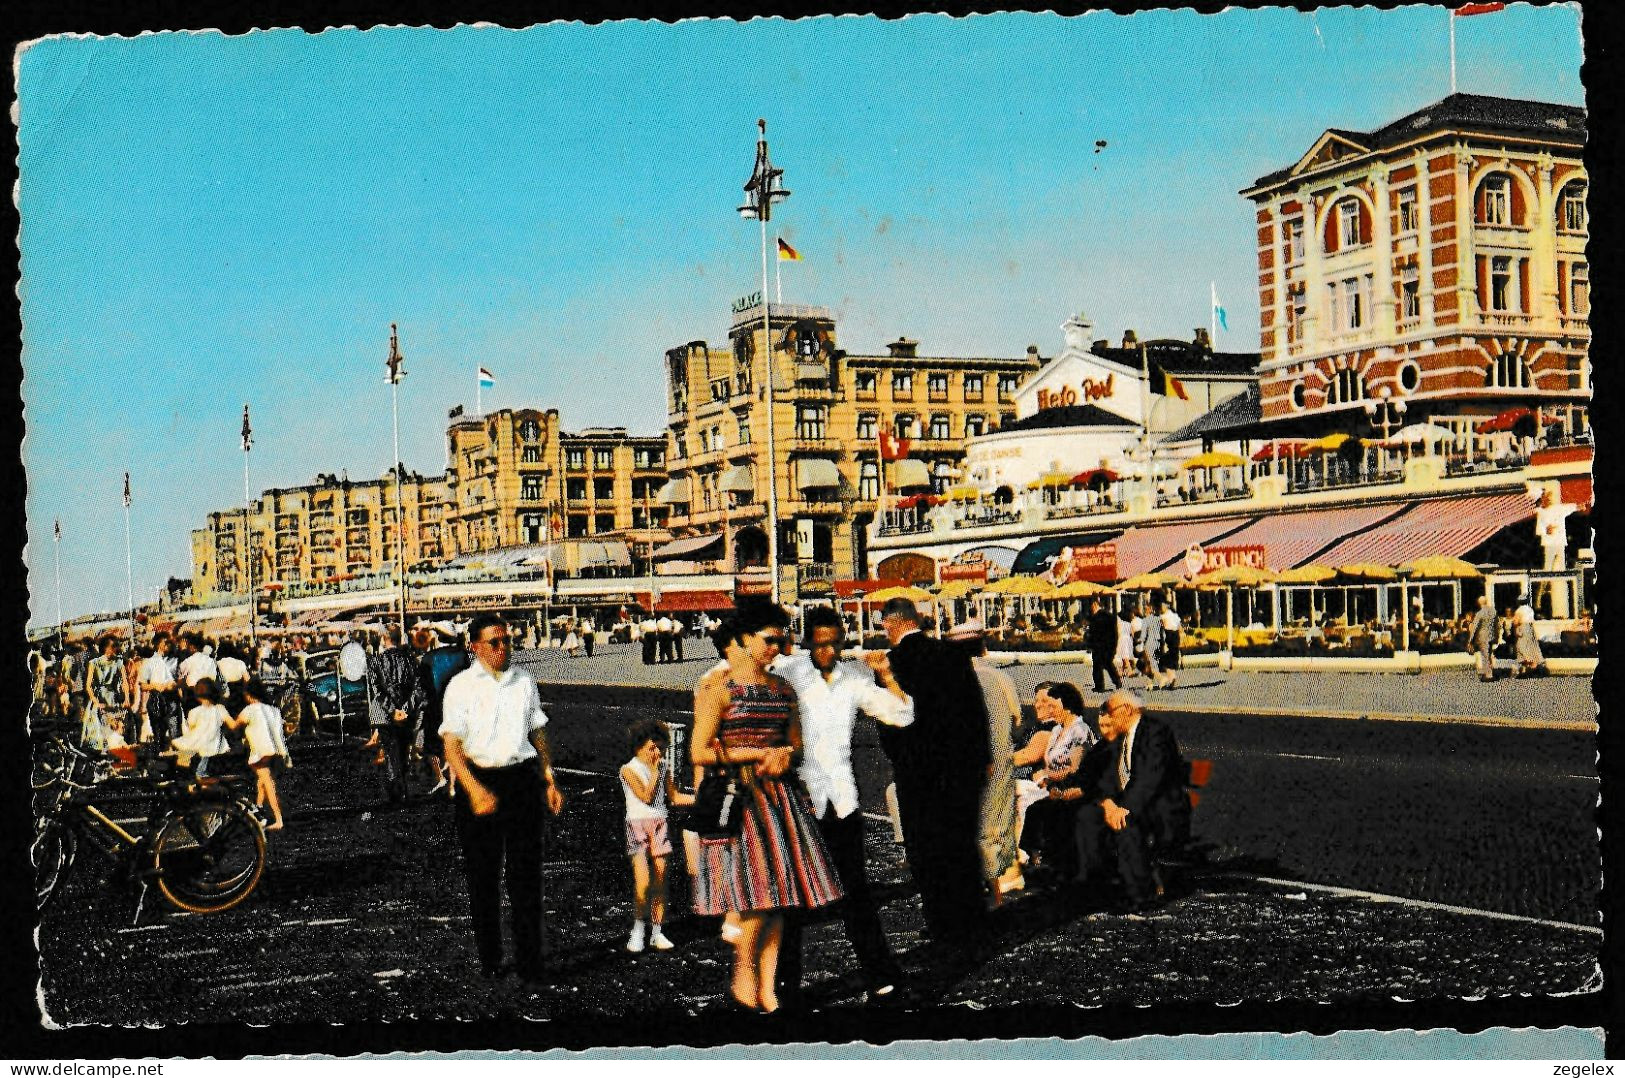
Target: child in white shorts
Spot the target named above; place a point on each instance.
(647, 786)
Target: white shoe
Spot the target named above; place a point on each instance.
(635, 943)
(658, 940)
(731, 932)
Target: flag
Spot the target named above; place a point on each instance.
(1478, 9)
(396, 361)
(787, 253)
(487, 379)
(248, 432)
(59, 531)
(1164, 384)
(892, 447)
(126, 490)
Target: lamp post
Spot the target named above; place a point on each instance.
(761, 191)
(56, 547)
(1385, 412)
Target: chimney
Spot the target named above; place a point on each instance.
(1131, 339)
(1202, 340)
(903, 348)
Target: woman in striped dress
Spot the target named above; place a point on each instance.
(778, 860)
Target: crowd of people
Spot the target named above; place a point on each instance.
(983, 805)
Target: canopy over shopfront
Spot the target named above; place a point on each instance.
(1036, 556)
(1290, 539)
(694, 548)
(689, 602)
(1448, 527)
(565, 554)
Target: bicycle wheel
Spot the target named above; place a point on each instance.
(52, 853)
(209, 856)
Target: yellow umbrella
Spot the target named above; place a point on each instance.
(909, 592)
(1214, 459)
(1051, 479)
(957, 589)
(964, 494)
(1149, 582)
(1328, 443)
(1240, 576)
(1019, 585)
(1305, 574)
(1363, 570)
(1079, 589)
(1442, 568)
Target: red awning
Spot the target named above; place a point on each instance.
(687, 602)
(1575, 491)
(1147, 549)
(1286, 450)
(1291, 539)
(1446, 527)
(1093, 477)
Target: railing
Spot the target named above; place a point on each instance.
(1060, 512)
(989, 518)
(908, 527)
(807, 572)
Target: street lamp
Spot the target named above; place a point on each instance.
(1385, 412)
(761, 192)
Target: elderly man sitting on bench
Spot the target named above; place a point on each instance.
(1141, 799)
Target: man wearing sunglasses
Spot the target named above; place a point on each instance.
(494, 732)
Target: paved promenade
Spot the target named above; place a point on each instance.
(1451, 695)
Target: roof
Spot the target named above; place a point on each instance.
(1242, 410)
(1493, 115)
(1181, 358)
(1074, 415)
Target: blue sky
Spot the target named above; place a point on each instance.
(211, 220)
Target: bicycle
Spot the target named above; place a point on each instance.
(202, 845)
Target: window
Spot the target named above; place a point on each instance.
(603, 489)
(1579, 289)
(942, 477)
(1501, 283)
(1410, 376)
(1572, 209)
(705, 439)
(743, 423)
(903, 425)
(1292, 239)
(1348, 224)
(936, 386)
(530, 430)
(530, 454)
(1498, 201)
(1408, 220)
(866, 425)
(1508, 371)
(1348, 306)
(869, 480)
(645, 458)
(939, 427)
(530, 488)
(742, 382)
(973, 388)
(603, 459)
(902, 386)
(575, 489)
(532, 525)
(1297, 311)
(717, 441)
(1007, 387)
(578, 525)
(810, 422)
(975, 425)
(1345, 386)
(1300, 396)
(1410, 294)
(719, 389)
(575, 459)
(864, 383)
(1006, 418)
(603, 522)
(679, 445)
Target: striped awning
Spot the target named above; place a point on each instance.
(1290, 539)
(1445, 526)
(1143, 549)
(816, 473)
(694, 548)
(909, 472)
(739, 480)
(675, 492)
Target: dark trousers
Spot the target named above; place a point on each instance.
(586, 641)
(1049, 830)
(648, 649)
(1105, 666)
(844, 840)
(1097, 844)
(665, 646)
(677, 644)
(163, 713)
(394, 738)
(941, 827)
(506, 844)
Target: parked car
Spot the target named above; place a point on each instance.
(311, 704)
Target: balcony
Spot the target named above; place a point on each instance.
(910, 526)
(821, 571)
(822, 444)
(1507, 319)
(988, 518)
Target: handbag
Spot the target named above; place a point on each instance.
(719, 804)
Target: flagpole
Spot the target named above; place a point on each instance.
(129, 574)
(763, 189)
(778, 274)
(1213, 311)
(1452, 51)
(248, 539)
(395, 375)
(479, 396)
(56, 545)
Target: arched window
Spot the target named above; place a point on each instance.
(1499, 202)
(1345, 386)
(1509, 371)
(1348, 226)
(1571, 208)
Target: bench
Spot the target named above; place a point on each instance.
(1171, 858)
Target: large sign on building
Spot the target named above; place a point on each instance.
(1097, 564)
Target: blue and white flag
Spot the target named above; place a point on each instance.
(487, 379)
(1218, 311)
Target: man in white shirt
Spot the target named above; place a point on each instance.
(829, 694)
(494, 731)
(196, 664)
(663, 639)
(158, 686)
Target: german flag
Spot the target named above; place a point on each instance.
(786, 252)
(1164, 384)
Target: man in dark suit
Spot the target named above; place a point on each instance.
(940, 764)
(1102, 641)
(1141, 799)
